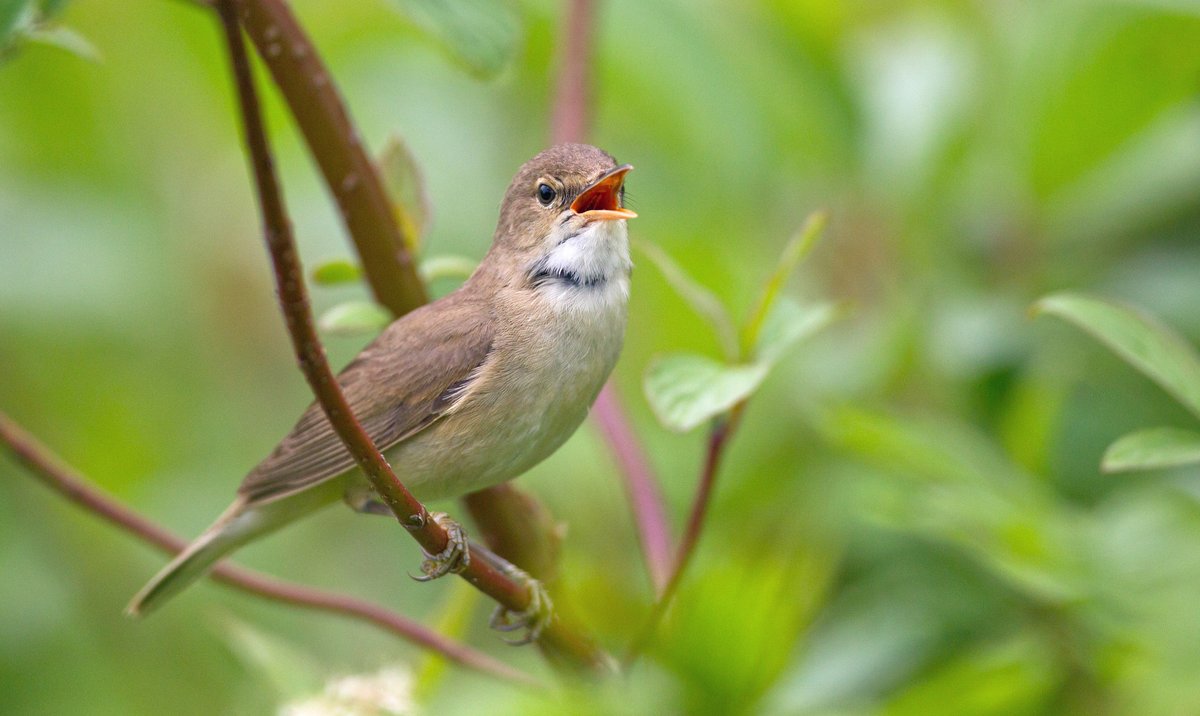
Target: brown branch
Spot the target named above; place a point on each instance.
(52, 472)
(334, 142)
(293, 299)
(571, 112)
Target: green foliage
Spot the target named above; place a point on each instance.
(912, 517)
(704, 302)
(336, 271)
(1148, 346)
(354, 318)
(1151, 449)
(406, 188)
(34, 21)
(481, 35)
(1157, 352)
(685, 390)
(436, 268)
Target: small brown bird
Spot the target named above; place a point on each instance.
(470, 390)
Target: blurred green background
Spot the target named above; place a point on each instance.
(911, 520)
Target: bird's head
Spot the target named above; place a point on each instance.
(564, 216)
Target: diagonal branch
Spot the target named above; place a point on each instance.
(58, 476)
(293, 300)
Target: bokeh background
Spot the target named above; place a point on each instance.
(912, 519)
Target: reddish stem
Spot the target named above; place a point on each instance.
(572, 97)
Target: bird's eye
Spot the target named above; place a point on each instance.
(546, 194)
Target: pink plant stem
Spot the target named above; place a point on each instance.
(573, 91)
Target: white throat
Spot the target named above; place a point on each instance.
(588, 268)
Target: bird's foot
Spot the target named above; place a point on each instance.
(454, 558)
(533, 618)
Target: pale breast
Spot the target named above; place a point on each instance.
(557, 349)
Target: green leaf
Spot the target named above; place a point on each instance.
(64, 38)
(436, 267)
(702, 301)
(1151, 449)
(336, 271)
(796, 249)
(481, 35)
(354, 318)
(789, 323)
(1147, 345)
(406, 189)
(684, 390)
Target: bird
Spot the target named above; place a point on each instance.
(468, 391)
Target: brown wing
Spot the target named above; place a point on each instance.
(395, 387)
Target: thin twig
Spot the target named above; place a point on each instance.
(571, 113)
(718, 439)
(52, 472)
(293, 300)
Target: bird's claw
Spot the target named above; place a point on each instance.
(453, 559)
(533, 618)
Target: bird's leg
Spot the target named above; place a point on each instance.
(533, 618)
(454, 558)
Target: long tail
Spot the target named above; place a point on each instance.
(237, 526)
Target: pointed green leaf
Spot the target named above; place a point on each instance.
(336, 271)
(702, 301)
(406, 189)
(354, 318)
(796, 249)
(684, 390)
(436, 267)
(1147, 345)
(1151, 449)
(788, 324)
(481, 35)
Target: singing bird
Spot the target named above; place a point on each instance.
(473, 389)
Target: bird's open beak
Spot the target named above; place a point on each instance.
(602, 200)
